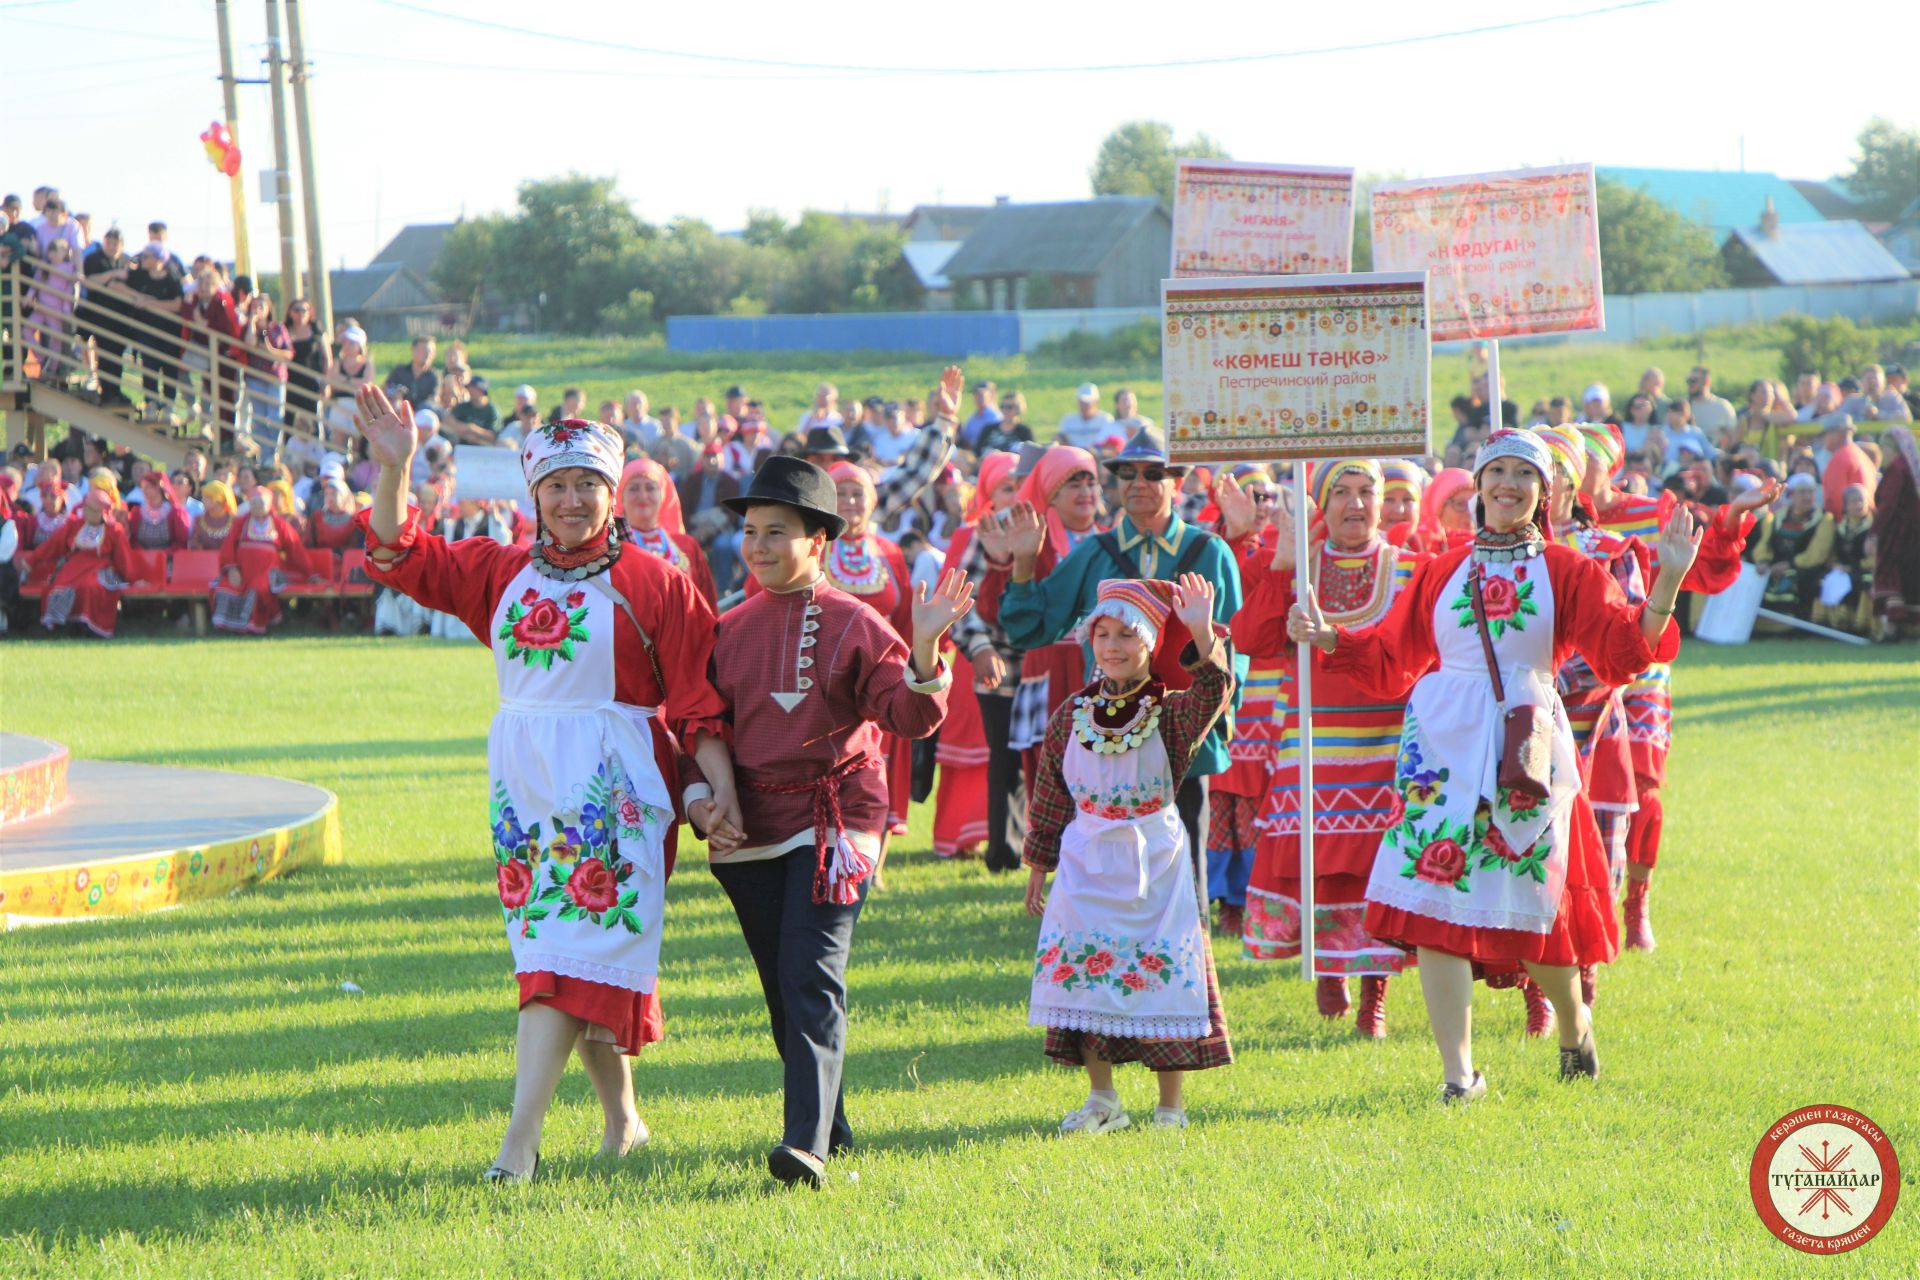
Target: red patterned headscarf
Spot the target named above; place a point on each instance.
(994, 469)
(1059, 464)
(670, 517)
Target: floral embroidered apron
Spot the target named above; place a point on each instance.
(579, 810)
(1460, 851)
(1121, 950)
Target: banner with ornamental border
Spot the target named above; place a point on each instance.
(1509, 253)
(1295, 367)
(1234, 218)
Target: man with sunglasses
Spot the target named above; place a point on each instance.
(1149, 540)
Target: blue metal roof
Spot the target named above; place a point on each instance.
(1723, 201)
(1821, 253)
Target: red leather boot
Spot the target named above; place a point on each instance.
(1371, 1021)
(1331, 995)
(1639, 926)
(1539, 1011)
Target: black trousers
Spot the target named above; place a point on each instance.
(1003, 780)
(800, 948)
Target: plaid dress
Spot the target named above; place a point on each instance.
(1186, 717)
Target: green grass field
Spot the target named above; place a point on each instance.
(192, 1094)
(607, 368)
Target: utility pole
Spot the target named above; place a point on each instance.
(236, 185)
(319, 288)
(282, 174)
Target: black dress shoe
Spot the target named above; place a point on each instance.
(794, 1166)
(1583, 1059)
(501, 1176)
(1463, 1093)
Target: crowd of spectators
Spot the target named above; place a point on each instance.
(286, 427)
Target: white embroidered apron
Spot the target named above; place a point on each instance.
(1460, 851)
(579, 810)
(1121, 949)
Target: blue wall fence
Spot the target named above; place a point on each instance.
(1630, 318)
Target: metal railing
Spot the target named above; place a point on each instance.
(162, 369)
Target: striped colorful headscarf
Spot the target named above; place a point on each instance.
(1568, 446)
(1604, 444)
(1405, 475)
(1325, 473)
(1141, 604)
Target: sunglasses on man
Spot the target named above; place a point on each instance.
(1127, 473)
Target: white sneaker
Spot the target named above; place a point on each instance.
(1169, 1119)
(1097, 1116)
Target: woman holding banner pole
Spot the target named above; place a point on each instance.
(1355, 574)
(1494, 859)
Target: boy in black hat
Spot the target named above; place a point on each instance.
(812, 677)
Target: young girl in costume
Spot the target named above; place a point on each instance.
(1123, 971)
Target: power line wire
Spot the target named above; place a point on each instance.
(1083, 69)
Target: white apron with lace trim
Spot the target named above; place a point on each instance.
(579, 810)
(1121, 950)
(1460, 851)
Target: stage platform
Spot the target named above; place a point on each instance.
(33, 777)
(135, 837)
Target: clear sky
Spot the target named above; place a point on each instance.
(423, 111)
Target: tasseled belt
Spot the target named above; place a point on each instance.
(838, 867)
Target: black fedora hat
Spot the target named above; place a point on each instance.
(792, 482)
(829, 440)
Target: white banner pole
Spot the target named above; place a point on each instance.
(1493, 386)
(1303, 696)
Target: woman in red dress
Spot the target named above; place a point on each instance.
(161, 523)
(1480, 869)
(601, 658)
(89, 567)
(651, 503)
(38, 527)
(960, 820)
(262, 553)
(209, 532)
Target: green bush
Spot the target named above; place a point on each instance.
(1136, 345)
(1834, 347)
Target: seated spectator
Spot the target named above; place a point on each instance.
(1845, 463)
(261, 555)
(416, 381)
(217, 520)
(674, 450)
(573, 404)
(1653, 385)
(824, 446)
(1088, 427)
(1682, 434)
(638, 428)
(1559, 412)
(84, 568)
(1853, 556)
(1795, 549)
(1709, 413)
(1127, 417)
(1874, 402)
(1636, 421)
(824, 412)
(1805, 385)
(984, 415)
(1898, 384)
(713, 525)
(477, 420)
(330, 524)
(1596, 405)
(1009, 433)
(161, 522)
(747, 446)
(609, 415)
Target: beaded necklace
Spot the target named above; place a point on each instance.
(563, 565)
(1523, 543)
(656, 543)
(1103, 723)
(855, 570)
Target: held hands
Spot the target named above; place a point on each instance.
(391, 434)
(946, 398)
(1036, 892)
(1307, 625)
(720, 819)
(1193, 605)
(936, 610)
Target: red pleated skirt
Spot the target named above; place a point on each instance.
(1585, 931)
(632, 1019)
